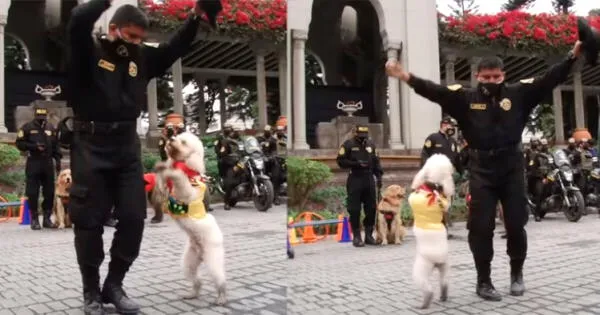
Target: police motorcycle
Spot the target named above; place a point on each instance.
(254, 184)
(592, 199)
(560, 192)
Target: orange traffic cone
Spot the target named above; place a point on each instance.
(292, 233)
(340, 228)
(308, 235)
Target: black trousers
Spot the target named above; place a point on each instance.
(494, 177)
(275, 175)
(361, 190)
(39, 172)
(107, 172)
(230, 180)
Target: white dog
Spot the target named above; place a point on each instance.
(433, 187)
(205, 243)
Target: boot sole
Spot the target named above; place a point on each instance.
(490, 298)
(517, 293)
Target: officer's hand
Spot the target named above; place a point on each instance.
(577, 49)
(394, 69)
(41, 147)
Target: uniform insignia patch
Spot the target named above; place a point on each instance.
(505, 104)
(454, 87)
(530, 163)
(106, 65)
(133, 70)
(222, 149)
(48, 132)
(267, 144)
(369, 149)
(478, 106)
(342, 151)
(216, 142)
(428, 144)
(33, 132)
(453, 148)
(122, 51)
(161, 142)
(527, 81)
(20, 134)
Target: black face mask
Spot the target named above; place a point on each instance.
(267, 134)
(120, 48)
(361, 139)
(280, 135)
(235, 135)
(491, 89)
(41, 121)
(544, 148)
(450, 132)
(571, 147)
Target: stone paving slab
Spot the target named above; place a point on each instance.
(39, 273)
(562, 275)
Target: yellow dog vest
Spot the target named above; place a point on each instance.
(195, 209)
(428, 209)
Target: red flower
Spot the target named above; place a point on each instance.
(241, 18)
(539, 34)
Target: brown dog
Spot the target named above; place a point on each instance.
(61, 199)
(389, 221)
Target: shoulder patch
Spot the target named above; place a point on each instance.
(48, 132)
(342, 151)
(427, 143)
(216, 142)
(527, 81)
(20, 134)
(455, 87)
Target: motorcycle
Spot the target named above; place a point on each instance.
(593, 189)
(561, 192)
(254, 184)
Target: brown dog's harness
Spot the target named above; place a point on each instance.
(64, 199)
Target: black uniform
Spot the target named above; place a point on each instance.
(38, 139)
(492, 124)
(230, 156)
(268, 144)
(442, 144)
(108, 84)
(362, 160)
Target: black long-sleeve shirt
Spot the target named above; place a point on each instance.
(105, 86)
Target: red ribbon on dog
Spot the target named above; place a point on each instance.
(150, 181)
(431, 194)
(191, 173)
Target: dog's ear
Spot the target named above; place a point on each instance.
(418, 180)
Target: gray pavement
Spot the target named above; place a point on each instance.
(562, 275)
(39, 273)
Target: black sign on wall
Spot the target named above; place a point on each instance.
(20, 90)
(321, 106)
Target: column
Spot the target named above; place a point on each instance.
(450, 74)
(202, 126)
(474, 63)
(3, 21)
(578, 93)
(394, 97)
(299, 90)
(222, 102)
(558, 115)
(177, 72)
(283, 80)
(153, 132)
(261, 83)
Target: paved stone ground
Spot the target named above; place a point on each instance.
(561, 275)
(39, 273)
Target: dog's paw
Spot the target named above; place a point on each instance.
(61, 226)
(190, 296)
(444, 293)
(426, 300)
(160, 166)
(221, 300)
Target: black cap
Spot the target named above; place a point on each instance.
(591, 41)
(212, 9)
(448, 120)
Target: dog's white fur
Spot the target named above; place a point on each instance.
(61, 190)
(205, 242)
(432, 245)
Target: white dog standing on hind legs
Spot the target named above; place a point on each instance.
(186, 207)
(433, 187)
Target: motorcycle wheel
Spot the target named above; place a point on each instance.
(575, 212)
(264, 201)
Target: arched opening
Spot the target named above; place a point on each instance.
(16, 54)
(315, 71)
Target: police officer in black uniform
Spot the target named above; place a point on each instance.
(108, 76)
(539, 166)
(219, 148)
(268, 144)
(231, 156)
(38, 139)
(492, 116)
(360, 156)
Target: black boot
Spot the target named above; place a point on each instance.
(92, 303)
(47, 223)
(357, 239)
(369, 240)
(35, 221)
(114, 294)
(517, 287)
(487, 291)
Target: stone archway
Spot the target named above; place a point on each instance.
(16, 53)
(315, 70)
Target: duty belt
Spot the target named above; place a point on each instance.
(496, 151)
(101, 127)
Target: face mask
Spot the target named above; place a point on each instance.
(41, 121)
(491, 89)
(571, 147)
(450, 131)
(267, 134)
(586, 146)
(235, 135)
(280, 135)
(544, 148)
(124, 48)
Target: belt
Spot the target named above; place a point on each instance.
(496, 151)
(101, 127)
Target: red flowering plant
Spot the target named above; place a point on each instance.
(246, 19)
(543, 34)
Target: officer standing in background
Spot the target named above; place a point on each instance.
(108, 76)
(360, 156)
(268, 143)
(492, 116)
(38, 139)
(230, 151)
(219, 144)
(443, 142)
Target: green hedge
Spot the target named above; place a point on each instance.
(304, 176)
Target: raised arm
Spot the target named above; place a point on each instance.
(158, 59)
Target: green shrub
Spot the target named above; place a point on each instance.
(10, 196)
(9, 156)
(303, 177)
(149, 159)
(211, 167)
(333, 198)
(12, 178)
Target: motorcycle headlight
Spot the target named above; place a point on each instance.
(568, 175)
(550, 160)
(259, 163)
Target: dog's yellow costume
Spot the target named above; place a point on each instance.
(195, 209)
(428, 208)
